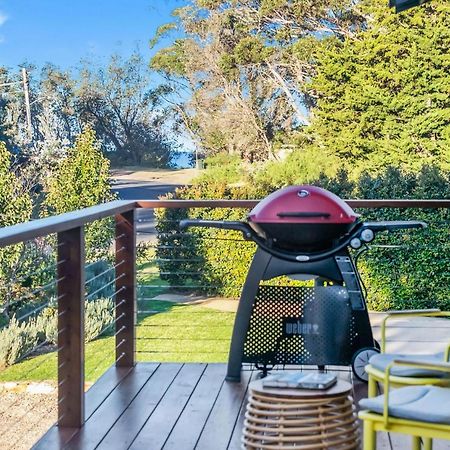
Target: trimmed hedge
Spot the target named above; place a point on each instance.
(408, 269)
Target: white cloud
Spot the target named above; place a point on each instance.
(3, 18)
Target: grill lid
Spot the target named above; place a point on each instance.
(302, 204)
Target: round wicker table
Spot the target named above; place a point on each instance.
(300, 419)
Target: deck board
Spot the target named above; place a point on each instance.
(133, 419)
(56, 438)
(235, 440)
(99, 391)
(190, 423)
(224, 415)
(105, 416)
(159, 425)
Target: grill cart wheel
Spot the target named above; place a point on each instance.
(361, 359)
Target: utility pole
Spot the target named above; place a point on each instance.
(27, 102)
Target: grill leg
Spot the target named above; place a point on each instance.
(244, 312)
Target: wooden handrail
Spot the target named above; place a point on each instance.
(354, 203)
(399, 203)
(63, 222)
(196, 203)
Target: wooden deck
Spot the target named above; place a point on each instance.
(172, 406)
(187, 406)
(152, 406)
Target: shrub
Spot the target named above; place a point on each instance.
(215, 260)
(16, 341)
(301, 166)
(19, 339)
(402, 270)
(176, 252)
(99, 280)
(99, 315)
(81, 180)
(415, 274)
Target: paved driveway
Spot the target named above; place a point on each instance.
(129, 189)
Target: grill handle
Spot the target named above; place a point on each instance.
(394, 225)
(304, 214)
(342, 243)
(243, 227)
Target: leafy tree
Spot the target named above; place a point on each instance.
(349, 80)
(125, 112)
(15, 204)
(383, 98)
(237, 73)
(118, 102)
(82, 180)
(15, 207)
(9, 98)
(53, 121)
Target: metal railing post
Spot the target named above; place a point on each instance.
(71, 285)
(125, 297)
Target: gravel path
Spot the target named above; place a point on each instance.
(25, 417)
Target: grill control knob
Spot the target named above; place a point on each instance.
(355, 243)
(367, 235)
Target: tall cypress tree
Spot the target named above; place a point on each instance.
(384, 97)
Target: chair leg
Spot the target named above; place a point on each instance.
(370, 436)
(372, 387)
(427, 443)
(416, 443)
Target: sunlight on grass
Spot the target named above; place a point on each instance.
(184, 333)
(177, 333)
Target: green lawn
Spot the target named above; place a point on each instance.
(177, 333)
(174, 333)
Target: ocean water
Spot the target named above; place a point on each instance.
(183, 160)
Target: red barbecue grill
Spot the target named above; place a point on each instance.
(307, 218)
(303, 232)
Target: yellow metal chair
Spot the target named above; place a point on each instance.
(422, 412)
(418, 376)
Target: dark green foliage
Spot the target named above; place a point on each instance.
(176, 254)
(383, 99)
(81, 180)
(15, 207)
(416, 274)
(219, 259)
(408, 269)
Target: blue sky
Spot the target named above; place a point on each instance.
(64, 31)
